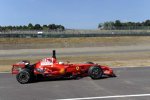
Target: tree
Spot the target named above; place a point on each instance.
(100, 26)
(20, 27)
(0, 29)
(30, 26)
(45, 27)
(108, 25)
(37, 27)
(117, 24)
(60, 27)
(147, 23)
(52, 26)
(124, 25)
(10, 28)
(24, 27)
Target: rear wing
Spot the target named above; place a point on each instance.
(16, 68)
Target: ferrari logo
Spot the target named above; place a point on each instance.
(77, 68)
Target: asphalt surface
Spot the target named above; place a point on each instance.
(130, 81)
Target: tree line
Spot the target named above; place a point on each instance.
(31, 27)
(116, 25)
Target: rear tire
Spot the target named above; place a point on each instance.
(95, 72)
(25, 76)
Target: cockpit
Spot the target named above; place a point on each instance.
(48, 61)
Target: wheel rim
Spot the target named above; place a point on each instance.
(23, 77)
(95, 72)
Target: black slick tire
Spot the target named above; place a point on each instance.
(24, 76)
(95, 72)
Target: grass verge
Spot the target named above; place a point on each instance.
(112, 60)
(38, 43)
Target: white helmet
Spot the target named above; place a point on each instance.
(61, 63)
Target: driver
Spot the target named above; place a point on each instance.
(53, 65)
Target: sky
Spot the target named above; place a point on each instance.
(73, 14)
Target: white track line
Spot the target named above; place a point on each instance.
(108, 97)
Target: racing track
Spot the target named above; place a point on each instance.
(132, 83)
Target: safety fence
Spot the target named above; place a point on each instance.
(72, 35)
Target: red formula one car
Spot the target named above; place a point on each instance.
(51, 68)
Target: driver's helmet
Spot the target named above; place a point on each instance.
(48, 61)
(53, 60)
(61, 63)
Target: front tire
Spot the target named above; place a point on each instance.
(25, 76)
(95, 72)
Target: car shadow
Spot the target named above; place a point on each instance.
(47, 79)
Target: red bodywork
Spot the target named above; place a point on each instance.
(50, 67)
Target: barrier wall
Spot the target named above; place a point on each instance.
(70, 35)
